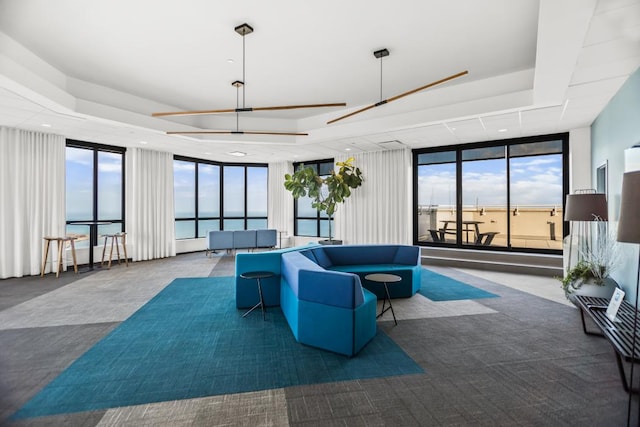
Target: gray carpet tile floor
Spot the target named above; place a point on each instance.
(515, 360)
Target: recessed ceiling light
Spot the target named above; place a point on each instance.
(237, 153)
(143, 142)
(347, 149)
(230, 61)
(46, 125)
(502, 130)
(207, 152)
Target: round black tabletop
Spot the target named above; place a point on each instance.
(257, 274)
(383, 277)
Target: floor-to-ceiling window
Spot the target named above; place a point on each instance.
(308, 221)
(215, 196)
(498, 195)
(94, 188)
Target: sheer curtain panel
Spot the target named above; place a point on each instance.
(150, 220)
(379, 210)
(280, 202)
(32, 198)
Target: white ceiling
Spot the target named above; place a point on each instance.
(96, 70)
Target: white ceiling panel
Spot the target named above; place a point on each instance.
(67, 57)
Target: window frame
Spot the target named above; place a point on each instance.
(318, 218)
(507, 143)
(221, 218)
(97, 148)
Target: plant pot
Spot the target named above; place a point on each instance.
(330, 242)
(591, 289)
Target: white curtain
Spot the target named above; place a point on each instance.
(150, 210)
(380, 210)
(280, 203)
(32, 198)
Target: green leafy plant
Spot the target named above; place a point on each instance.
(325, 192)
(595, 264)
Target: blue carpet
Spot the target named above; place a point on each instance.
(190, 341)
(437, 287)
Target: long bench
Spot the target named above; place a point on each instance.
(241, 239)
(619, 333)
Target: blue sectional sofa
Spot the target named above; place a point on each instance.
(322, 292)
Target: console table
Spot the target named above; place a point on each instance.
(618, 333)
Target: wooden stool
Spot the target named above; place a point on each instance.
(114, 242)
(61, 241)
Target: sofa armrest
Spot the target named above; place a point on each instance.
(408, 255)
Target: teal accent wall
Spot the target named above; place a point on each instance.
(614, 130)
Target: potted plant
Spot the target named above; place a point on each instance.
(326, 192)
(591, 274)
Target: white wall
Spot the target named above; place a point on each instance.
(616, 129)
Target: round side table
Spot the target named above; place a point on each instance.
(257, 275)
(385, 279)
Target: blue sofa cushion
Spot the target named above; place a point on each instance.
(310, 282)
(360, 254)
(244, 239)
(220, 240)
(266, 238)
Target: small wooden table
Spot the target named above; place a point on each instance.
(257, 275)
(385, 278)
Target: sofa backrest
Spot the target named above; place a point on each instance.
(220, 240)
(310, 282)
(243, 239)
(369, 254)
(266, 238)
(264, 261)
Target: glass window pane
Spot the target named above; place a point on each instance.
(82, 234)
(233, 191)
(109, 186)
(324, 228)
(436, 201)
(536, 201)
(485, 153)
(233, 224)
(536, 148)
(208, 190)
(257, 185)
(325, 168)
(307, 227)
(184, 187)
(484, 197)
(438, 157)
(305, 209)
(185, 229)
(79, 184)
(256, 224)
(113, 228)
(204, 226)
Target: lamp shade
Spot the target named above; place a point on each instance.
(586, 207)
(629, 225)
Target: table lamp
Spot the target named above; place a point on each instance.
(584, 205)
(629, 232)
